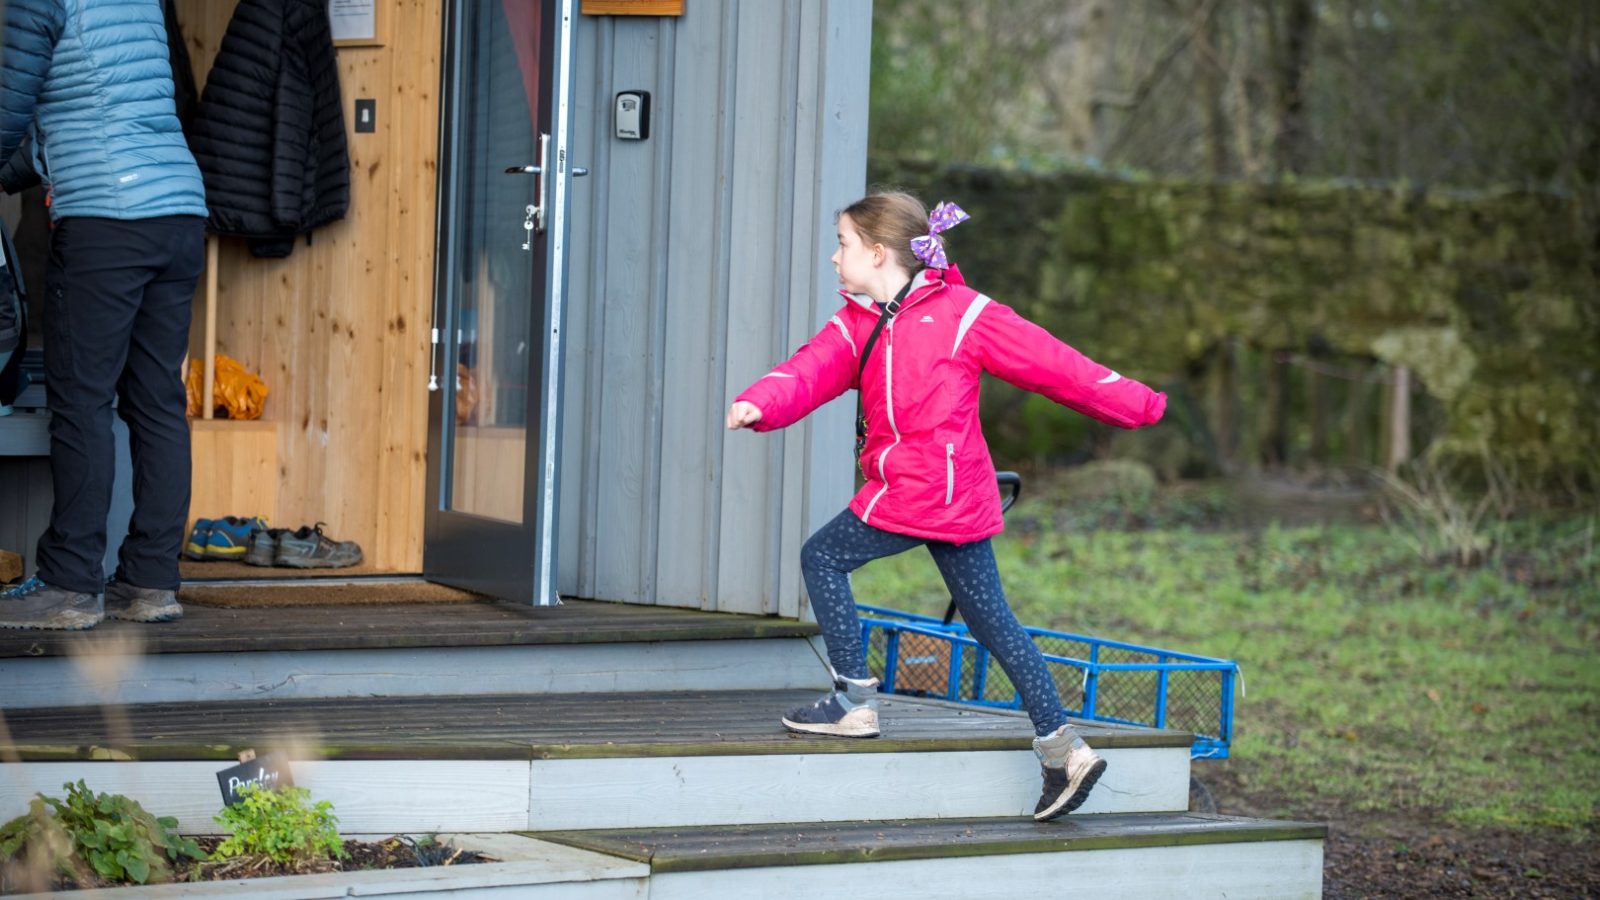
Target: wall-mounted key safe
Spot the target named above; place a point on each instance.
(633, 115)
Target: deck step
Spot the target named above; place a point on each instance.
(1129, 855)
(512, 762)
(459, 649)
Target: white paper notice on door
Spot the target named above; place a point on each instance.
(353, 20)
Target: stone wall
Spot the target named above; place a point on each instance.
(1490, 299)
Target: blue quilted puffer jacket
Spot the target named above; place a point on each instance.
(93, 80)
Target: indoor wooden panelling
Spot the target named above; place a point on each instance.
(229, 459)
(339, 329)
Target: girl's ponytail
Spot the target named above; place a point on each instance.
(893, 219)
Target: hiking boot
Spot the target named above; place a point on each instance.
(264, 546)
(136, 604)
(230, 536)
(195, 547)
(849, 710)
(1070, 771)
(309, 548)
(34, 604)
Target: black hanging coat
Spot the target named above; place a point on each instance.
(269, 136)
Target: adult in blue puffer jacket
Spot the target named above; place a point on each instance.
(91, 81)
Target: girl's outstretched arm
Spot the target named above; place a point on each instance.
(822, 369)
(1029, 357)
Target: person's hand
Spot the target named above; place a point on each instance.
(742, 414)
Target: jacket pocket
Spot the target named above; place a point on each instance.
(949, 473)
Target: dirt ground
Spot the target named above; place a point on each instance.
(1395, 856)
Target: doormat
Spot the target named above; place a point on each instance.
(256, 596)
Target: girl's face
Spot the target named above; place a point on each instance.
(855, 260)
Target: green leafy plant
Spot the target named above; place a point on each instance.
(282, 825)
(109, 834)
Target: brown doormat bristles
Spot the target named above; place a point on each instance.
(261, 596)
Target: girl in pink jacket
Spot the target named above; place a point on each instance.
(914, 339)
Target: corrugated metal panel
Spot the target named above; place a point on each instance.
(700, 258)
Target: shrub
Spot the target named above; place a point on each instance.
(1433, 507)
(281, 825)
(108, 834)
(1124, 483)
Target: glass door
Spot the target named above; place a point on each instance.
(494, 413)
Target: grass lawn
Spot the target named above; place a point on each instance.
(1378, 681)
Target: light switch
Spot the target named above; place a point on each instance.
(367, 115)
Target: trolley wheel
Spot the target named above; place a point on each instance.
(1200, 798)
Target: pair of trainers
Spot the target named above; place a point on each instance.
(306, 547)
(225, 538)
(34, 604)
(1069, 767)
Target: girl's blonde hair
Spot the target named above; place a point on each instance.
(891, 218)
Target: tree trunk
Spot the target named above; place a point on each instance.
(1294, 61)
(1317, 387)
(1399, 419)
(1277, 448)
(1212, 82)
(1227, 405)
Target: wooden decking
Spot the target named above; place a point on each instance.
(206, 629)
(516, 727)
(746, 846)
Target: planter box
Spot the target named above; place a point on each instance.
(529, 868)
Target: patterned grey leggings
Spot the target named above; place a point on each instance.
(846, 544)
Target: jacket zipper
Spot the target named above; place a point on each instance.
(949, 473)
(888, 404)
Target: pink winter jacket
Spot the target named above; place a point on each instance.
(928, 471)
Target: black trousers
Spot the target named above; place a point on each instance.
(116, 326)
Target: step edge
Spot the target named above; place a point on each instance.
(54, 646)
(1242, 831)
(26, 752)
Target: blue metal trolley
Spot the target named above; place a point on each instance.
(1100, 680)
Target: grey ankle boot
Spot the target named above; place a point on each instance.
(1070, 771)
(849, 710)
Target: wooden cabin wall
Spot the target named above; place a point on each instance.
(339, 330)
(700, 259)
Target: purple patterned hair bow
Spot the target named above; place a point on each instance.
(927, 248)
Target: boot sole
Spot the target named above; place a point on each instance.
(65, 621)
(316, 563)
(852, 731)
(160, 614)
(1074, 795)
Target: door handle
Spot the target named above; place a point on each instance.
(538, 184)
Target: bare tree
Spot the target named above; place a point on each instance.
(1293, 57)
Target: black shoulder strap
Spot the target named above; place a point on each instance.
(888, 313)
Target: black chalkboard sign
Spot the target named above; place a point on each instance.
(270, 771)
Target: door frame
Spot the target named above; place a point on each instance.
(510, 561)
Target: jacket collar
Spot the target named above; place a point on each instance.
(919, 281)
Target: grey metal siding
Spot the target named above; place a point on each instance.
(700, 259)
